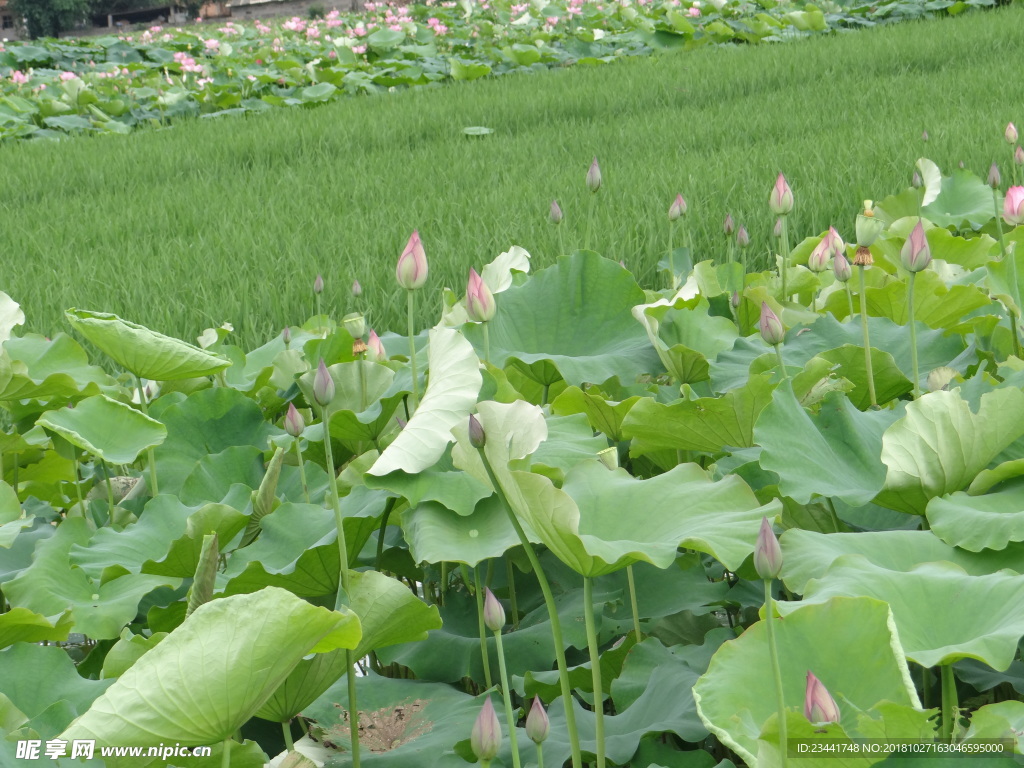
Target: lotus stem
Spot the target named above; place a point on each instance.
(287, 729)
(484, 656)
(487, 344)
(506, 694)
(544, 395)
(150, 456)
(867, 338)
(773, 651)
(302, 470)
(782, 365)
(849, 298)
(1011, 267)
(78, 484)
(510, 577)
(632, 601)
(388, 506)
(410, 309)
(913, 336)
(549, 602)
(225, 758)
(785, 257)
(110, 490)
(319, 317)
(353, 707)
(590, 220)
(595, 667)
(540, 756)
(949, 702)
(673, 280)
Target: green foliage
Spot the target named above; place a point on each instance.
(48, 18)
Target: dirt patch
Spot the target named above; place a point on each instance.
(385, 729)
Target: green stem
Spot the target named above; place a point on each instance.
(561, 240)
(773, 651)
(544, 396)
(926, 687)
(549, 601)
(849, 298)
(510, 577)
(484, 656)
(150, 456)
(867, 338)
(110, 491)
(672, 281)
(1011, 266)
(913, 336)
(540, 756)
(590, 220)
(595, 667)
(949, 702)
(632, 600)
(78, 485)
(225, 758)
(782, 365)
(506, 694)
(410, 309)
(302, 470)
(287, 729)
(444, 581)
(487, 344)
(785, 257)
(319, 316)
(388, 506)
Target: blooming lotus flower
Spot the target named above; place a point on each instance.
(994, 180)
(868, 227)
(411, 271)
(818, 260)
(555, 213)
(594, 176)
(819, 706)
(293, 423)
(677, 209)
(318, 284)
(374, 348)
(494, 614)
(477, 438)
(841, 267)
(835, 242)
(1010, 134)
(916, 253)
(479, 299)
(771, 327)
(767, 553)
(780, 202)
(742, 237)
(537, 723)
(485, 738)
(1013, 206)
(728, 226)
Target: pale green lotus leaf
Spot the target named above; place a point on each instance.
(20, 625)
(436, 534)
(112, 431)
(1002, 720)
(40, 368)
(978, 523)
(685, 335)
(11, 316)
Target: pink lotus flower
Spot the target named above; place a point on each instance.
(485, 738)
(323, 385)
(293, 423)
(479, 299)
(694, 12)
(555, 214)
(772, 330)
(411, 271)
(1010, 134)
(677, 209)
(19, 77)
(537, 723)
(780, 202)
(1013, 206)
(835, 242)
(767, 553)
(916, 254)
(841, 267)
(494, 613)
(819, 706)
(375, 348)
(818, 260)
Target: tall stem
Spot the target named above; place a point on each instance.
(867, 338)
(510, 577)
(487, 344)
(110, 491)
(595, 667)
(773, 651)
(785, 257)
(149, 451)
(949, 702)
(287, 731)
(302, 470)
(540, 756)
(549, 601)
(1011, 268)
(225, 758)
(672, 283)
(410, 309)
(913, 336)
(849, 298)
(632, 601)
(590, 220)
(782, 365)
(506, 694)
(484, 656)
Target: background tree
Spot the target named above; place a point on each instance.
(48, 18)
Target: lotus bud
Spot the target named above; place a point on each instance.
(961, 165)
(819, 706)
(1018, 155)
(767, 553)
(374, 348)
(286, 336)
(1013, 206)
(494, 614)
(916, 253)
(537, 723)
(915, 180)
(1010, 134)
(728, 226)
(818, 260)
(780, 202)
(862, 257)
(868, 226)
(293, 423)
(994, 180)
(485, 738)
(479, 299)
(323, 385)
(412, 264)
(355, 324)
(318, 284)
(401, 422)
(556, 213)
(841, 267)
(735, 299)
(477, 438)
(677, 209)
(594, 176)
(357, 289)
(924, 136)
(777, 229)
(742, 238)
(771, 327)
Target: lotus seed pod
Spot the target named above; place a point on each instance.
(869, 227)
(355, 324)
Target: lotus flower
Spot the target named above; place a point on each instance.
(594, 176)
(728, 226)
(777, 229)
(1013, 206)
(818, 260)
(374, 348)
(994, 180)
(916, 254)
(742, 237)
(318, 284)
(477, 437)
(677, 209)
(357, 289)
(819, 706)
(771, 327)
(841, 267)
(537, 723)
(412, 264)
(556, 213)
(835, 242)
(293, 423)
(1010, 134)
(1018, 155)
(323, 385)
(485, 738)
(494, 614)
(479, 299)
(780, 202)
(767, 553)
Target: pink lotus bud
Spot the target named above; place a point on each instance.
(286, 336)
(819, 706)
(924, 135)
(780, 202)
(412, 264)
(1013, 206)
(961, 165)
(742, 238)
(915, 180)
(485, 738)
(677, 209)
(477, 438)
(594, 176)
(374, 348)
(767, 553)
(1010, 134)
(479, 299)
(1018, 155)
(771, 327)
(835, 242)
(357, 289)
(777, 229)
(841, 267)
(728, 226)
(556, 213)
(994, 180)
(537, 723)
(735, 299)
(494, 614)
(916, 253)
(293, 423)
(818, 260)
(318, 284)
(323, 385)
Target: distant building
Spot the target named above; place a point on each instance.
(8, 26)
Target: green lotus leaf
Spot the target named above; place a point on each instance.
(570, 440)
(304, 684)
(987, 479)
(127, 650)
(20, 625)
(936, 305)
(1002, 720)
(735, 698)
(953, 249)
(359, 386)
(604, 415)
(10, 506)
(835, 452)
(985, 621)
(965, 201)
(216, 474)
(145, 353)
(940, 445)
(848, 363)
(576, 317)
(18, 539)
(513, 431)
(977, 523)
(456, 490)
(451, 394)
(685, 335)
(112, 431)
(215, 671)
(807, 555)
(11, 316)
(42, 369)
(707, 424)
(436, 534)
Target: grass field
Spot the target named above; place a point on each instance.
(231, 219)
